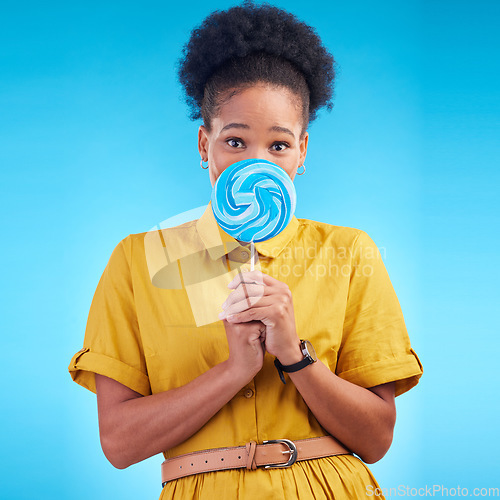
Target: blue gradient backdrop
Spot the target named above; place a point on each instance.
(95, 144)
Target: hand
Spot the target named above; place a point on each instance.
(258, 296)
(246, 350)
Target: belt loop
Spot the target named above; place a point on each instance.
(251, 448)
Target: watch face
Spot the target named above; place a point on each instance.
(308, 350)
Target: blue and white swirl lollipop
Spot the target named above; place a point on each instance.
(253, 200)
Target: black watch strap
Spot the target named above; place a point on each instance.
(290, 368)
(308, 360)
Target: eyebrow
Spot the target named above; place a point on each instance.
(234, 125)
(274, 128)
(285, 130)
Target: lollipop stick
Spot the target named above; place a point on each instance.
(252, 257)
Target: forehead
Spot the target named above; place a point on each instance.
(261, 104)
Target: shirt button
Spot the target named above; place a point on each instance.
(248, 393)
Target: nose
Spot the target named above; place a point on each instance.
(261, 154)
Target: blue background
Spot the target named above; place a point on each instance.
(95, 144)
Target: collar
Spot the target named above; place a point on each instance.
(219, 243)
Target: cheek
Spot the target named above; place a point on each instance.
(217, 166)
(218, 153)
(290, 166)
(220, 158)
(292, 172)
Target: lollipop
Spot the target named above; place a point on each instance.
(253, 200)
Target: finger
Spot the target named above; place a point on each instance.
(245, 292)
(263, 332)
(263, 313)
(272, 300)
(238, 302)
(254, 276)
(241, 305)
(263, 343)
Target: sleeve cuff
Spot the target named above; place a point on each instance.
(86, 363)
(405, 370)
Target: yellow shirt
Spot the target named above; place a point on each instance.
(153, 325)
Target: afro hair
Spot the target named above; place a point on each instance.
(249, 43)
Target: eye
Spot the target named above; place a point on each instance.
(280, 146)
(234, 142)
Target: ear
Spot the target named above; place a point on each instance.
(303, 148)
(203, 142)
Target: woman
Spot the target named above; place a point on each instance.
(182, 366)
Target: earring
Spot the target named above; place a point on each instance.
(303, 171)
(201, 165)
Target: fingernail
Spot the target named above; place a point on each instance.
(222, 315)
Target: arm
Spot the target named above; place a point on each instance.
(362, 419)
(133, 427)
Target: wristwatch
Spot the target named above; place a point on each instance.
(309, 358)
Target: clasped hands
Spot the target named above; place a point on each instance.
(257, 296)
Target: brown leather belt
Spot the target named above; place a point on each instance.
(270, 454)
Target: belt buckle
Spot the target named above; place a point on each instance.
(292, 449)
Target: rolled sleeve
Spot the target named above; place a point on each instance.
(375, 347)
(112, 343)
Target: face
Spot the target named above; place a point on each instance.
(259, 122)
